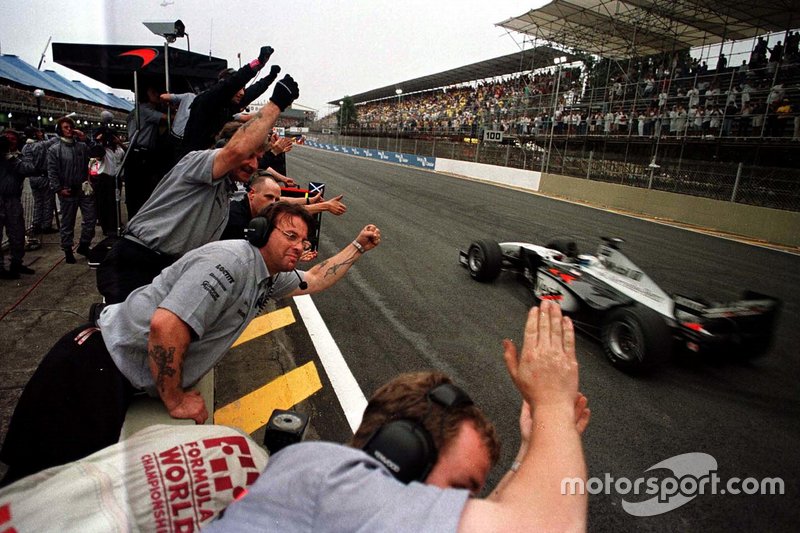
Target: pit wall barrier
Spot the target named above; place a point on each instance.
(146, 411)
(760, 223)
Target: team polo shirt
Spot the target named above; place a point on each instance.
(216, 289)
(187, 209)
(321, 486)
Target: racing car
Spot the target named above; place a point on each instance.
(608, 296)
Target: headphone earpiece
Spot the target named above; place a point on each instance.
(406, 448)
(257, 231)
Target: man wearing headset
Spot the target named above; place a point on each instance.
(163, 338)
(425, 449)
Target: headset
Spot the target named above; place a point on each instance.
(405, 447)
(258, 231)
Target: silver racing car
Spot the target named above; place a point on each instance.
(611, 298)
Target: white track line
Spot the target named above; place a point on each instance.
(345, 386)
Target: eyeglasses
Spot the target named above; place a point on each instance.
(294, 238)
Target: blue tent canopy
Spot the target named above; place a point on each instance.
(17, 71)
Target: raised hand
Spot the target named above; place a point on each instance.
(546, 371)
(286, 91)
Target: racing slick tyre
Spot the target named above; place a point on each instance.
(636, 338)
(484, 260)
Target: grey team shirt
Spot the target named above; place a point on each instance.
(187, 209)
(324, 487)
(217, 290)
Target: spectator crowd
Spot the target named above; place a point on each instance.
(670, 95)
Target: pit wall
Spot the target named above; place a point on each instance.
(773, 226)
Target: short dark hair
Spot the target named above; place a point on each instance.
(281, 210)
(405, 397)
(258, 177)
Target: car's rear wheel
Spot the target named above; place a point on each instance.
(484, 260)
(636, 338)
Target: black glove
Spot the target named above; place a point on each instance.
(263, 56)
(273, 73)
(286, 92)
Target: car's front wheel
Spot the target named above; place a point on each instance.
(636, 338)
(484, 260)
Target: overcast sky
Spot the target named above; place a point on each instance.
(331, 47)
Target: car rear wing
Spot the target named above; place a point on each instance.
(750, 304)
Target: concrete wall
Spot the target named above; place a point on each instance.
(525, 179)
(145, 411)
(771, 225)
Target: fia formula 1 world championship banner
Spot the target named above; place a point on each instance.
(381, 155)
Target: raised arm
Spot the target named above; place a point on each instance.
(280, 178)
(226, 88)
(334, 206)
(546, 373)
(166, 348)
(249, 140)
(582, 416)
(257, 89)
(328, 272)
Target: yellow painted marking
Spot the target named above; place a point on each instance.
(252, 411)
(264, 324)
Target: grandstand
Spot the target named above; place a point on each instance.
(686, 96)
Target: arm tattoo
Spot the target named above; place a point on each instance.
(248, 124)
(334, 269)
(162, 357)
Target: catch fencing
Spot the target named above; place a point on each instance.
(777, 188)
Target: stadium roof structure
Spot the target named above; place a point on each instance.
(629, 28)
(114, 65)
(24, 75)
(531, 59)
